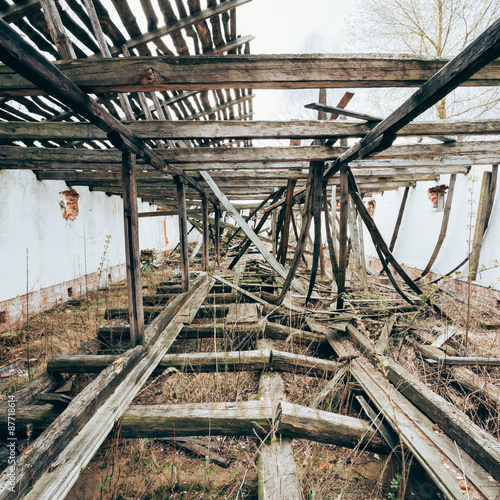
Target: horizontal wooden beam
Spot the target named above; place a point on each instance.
(362, 174)
(180, 157)
(229, 129)
(146, 74)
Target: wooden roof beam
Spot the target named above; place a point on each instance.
(287, 71)
(23, 58)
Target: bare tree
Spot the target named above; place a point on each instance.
(432, 28)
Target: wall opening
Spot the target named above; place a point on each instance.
(437, 195)
(70, 291)
(69, 204)
(3, 317)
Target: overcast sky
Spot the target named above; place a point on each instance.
(293, 27)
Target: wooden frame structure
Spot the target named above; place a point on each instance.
(150, 106)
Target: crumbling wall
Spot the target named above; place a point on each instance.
(61, 251)
(421, 225)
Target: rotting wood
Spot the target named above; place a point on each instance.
(183, 238)
(480, 226)
(474, 440)
(68, 428)
(399, 219)
(260, 71)
(464, 361)
(248, 231)
(277, 471)
(132, 254)
(330, 386)
(313, 186)
(199, 448)
(197, 419)
(344, 201)
(383, 341)
(326, 427)
(376, 388)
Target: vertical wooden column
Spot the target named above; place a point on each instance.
(217, 234)
(286, 228)
(134, 285)
(204, 207)
(344, 208)
(183, 235)
(480, 227)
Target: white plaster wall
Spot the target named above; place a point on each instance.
(421, 225)
(58, 250)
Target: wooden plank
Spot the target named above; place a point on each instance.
(242, 313)
(478, 443)
(197, 419)
(464, 361)
(417, 433)
(283, 249)
(399, 219)
(344, 200)
(229, 129)
(383, 341)
(327, 390)
(205, 235)
(132, 252)
(248, 231)
(27, 61)
(326, 427)
(69, 426)
(301, 364)
(444, 226)
(187, 314)
(314, 189)
(323, 107)
(480, 226)
(277, 471)
(249, 72)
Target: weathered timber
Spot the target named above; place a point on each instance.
(344, 200)
(249, 232)
(298, 363)
(422, 442)
(480, 226)
(288, 71)
(71, 428)
(228, 129)
(399, 219)
(326, 427)
(27, 61)
(313, 189)
(241, 290)
(277, 331)
(202, 449)
(246, 244)
(243, 313)
(383, 341)
(277, 471)
(330, 386)
(183, 238)
(36, 417)
(195, 419)
(444, 226)
(205, 234)
(132, 254)
(478, 443)
(464, 361)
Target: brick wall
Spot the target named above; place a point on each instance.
(14, 310)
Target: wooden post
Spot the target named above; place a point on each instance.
(204, 205)
(217, 234)
(482, 211)
(274, 228)
(286, 228)
(132, 256)
(183, 237)
(344, 199)
(399, 219)
(444, 226)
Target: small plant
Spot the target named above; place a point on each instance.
(104, 482)
(395, 484)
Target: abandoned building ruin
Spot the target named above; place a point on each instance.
(332, 256)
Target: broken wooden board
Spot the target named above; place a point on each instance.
(243, 313)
